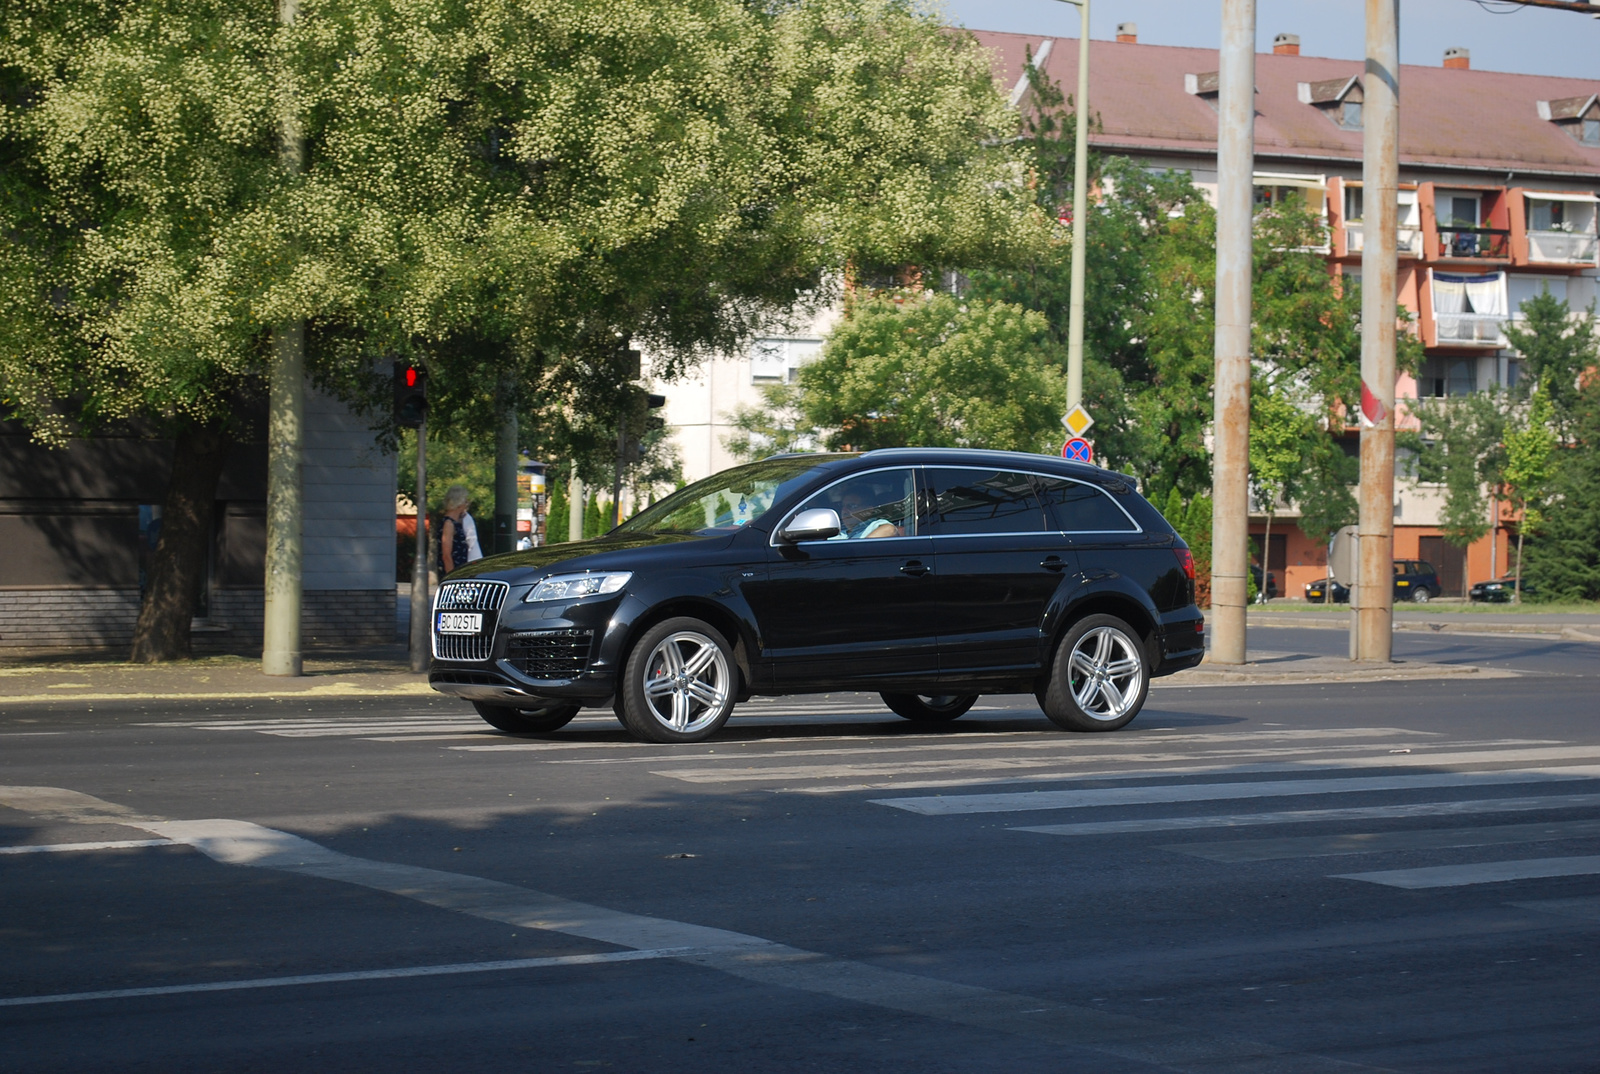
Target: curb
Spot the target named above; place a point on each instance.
(1433, 626)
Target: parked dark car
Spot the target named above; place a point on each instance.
(1415, 580)
(1271, 584)
(1317, 593)
(1499, 590)
(928, 576)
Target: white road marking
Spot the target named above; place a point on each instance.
(1027, 801)
(1319, 846)
(355, 975)
(725, 772)
(69, 848)
(1587, 909)
(747, 957)
(1316, 816)
(1485, 872)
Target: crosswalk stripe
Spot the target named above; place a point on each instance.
(1027, 801)
(727, 773)
(72, 848)
(1483, 872)
(1320, 846)
(1316, 816)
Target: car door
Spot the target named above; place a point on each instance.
(999, 563)
(852, 611)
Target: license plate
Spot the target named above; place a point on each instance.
(461, 622)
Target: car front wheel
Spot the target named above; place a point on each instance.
(679, 683)
(923, 708)
(548, 716)
(1099, 678)
(1420, 595)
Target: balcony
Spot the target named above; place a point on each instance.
(1471, 329)
(1409, 240)
(1563, 247)
(1486, 243)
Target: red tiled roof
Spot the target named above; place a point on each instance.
(1484, 120)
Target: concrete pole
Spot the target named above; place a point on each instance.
(1380, 177)
(505, 466)
(1230, 525)
(286, 385)
(421, 607)
(1080, 212)
(577, 501)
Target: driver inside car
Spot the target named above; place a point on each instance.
(861, 519)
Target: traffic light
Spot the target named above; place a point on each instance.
(630, 446)
(410, 395)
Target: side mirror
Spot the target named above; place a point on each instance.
(817, 524)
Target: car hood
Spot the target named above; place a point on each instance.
(596, 554)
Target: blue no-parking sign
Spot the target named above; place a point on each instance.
(1078, 449)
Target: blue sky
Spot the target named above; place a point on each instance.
(1527, 40)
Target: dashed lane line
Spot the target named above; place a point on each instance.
(747, 957)
(502, 966)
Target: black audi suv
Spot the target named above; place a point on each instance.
(929, 576)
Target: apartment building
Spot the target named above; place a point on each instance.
(1499, 177)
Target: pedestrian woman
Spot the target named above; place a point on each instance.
(458, 534)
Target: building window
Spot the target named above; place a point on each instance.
(1350, 115)
(1441, 378)
(1353, 204)
(1589, 133)
(1546, 215)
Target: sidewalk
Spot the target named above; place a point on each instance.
(1452, 618)
(376, 672)
(1293, 669)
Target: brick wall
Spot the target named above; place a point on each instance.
(99, 620)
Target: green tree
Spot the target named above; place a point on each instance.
(559, 515)
(1556, 351)
(1460, 444)
(1529, 470)
(934, 370)
(1280, 434)
(1564, 561)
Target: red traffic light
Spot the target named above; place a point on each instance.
(411, 376)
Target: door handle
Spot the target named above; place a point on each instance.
(916, 569)
(1054, 563)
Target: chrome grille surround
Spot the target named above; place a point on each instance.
(486, 597)
(550, 654)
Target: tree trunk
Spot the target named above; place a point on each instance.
(1266, 559)
(177, 569)
(1516, 587)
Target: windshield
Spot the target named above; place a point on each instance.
(722, 503)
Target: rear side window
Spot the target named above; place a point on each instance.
(1082, 508)
(974, 501)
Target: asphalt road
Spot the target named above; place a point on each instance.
(1400, 876)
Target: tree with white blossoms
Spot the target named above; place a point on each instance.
(485, 185)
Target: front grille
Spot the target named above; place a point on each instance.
(467, 678)
(550, 654)
(485, 597)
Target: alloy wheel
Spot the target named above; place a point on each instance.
(1106, 674)
(687, 682)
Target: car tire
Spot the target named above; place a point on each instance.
(1099, 678)
(1420, 595)
(679, 683)
(537, 719)
(929, 708)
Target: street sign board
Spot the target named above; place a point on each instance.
(1077, 420)
(1078, 449)
(1342, 556)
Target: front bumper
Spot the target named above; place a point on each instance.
(564, 651)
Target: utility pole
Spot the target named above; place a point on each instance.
(286, 387)
(505, 462)
(421, 607)
(1372, 615)
(1080, 211)
(1230, 481)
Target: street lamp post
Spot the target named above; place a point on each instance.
(1080, 211)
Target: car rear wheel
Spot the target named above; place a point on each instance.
(679, 683)
(1100, 676)
(1420, 595)
(548, 716)
(925, 708)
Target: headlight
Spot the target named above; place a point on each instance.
(570, 586)
(1492, 585)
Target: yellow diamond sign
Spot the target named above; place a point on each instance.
(1077, 420)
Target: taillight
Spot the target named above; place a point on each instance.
(1185, 561)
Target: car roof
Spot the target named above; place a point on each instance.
(1021, 460)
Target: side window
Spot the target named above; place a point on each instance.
(980, 501)
(879, 504)
(1082, 508)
